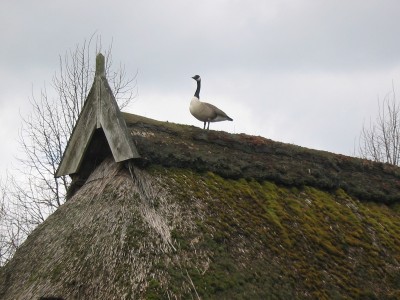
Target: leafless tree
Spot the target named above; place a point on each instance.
(380, 139)
(29, 196)
(16, 220)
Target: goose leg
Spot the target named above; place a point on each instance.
(208, 127)
(204, 125)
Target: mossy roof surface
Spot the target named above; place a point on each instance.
(166, 233)
(213, 215)
(237, 156)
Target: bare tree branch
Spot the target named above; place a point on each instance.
(380, 140)
(30, 196)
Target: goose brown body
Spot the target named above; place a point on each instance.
(204, 111)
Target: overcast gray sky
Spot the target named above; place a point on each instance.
(307, 72)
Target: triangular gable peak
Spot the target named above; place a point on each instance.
(100, 112)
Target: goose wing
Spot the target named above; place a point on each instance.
(216, 112)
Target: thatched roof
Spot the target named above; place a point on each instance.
(210, 214)
(237, 156)
(243, 156)
(195, 214)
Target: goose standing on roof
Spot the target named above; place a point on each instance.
(204, 111)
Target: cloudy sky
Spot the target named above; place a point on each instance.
(307, 72)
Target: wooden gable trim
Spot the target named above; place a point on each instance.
(99, 111)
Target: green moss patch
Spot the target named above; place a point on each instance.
(169, 233)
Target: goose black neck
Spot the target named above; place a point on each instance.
(197, 93)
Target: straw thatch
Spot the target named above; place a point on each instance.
(214, 215)
(243, 156)
(102, 244)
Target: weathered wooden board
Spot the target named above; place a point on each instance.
(80, 138)
(100, 111)
(114, 126)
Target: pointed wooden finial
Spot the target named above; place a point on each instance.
(100, 111)
(100, 65)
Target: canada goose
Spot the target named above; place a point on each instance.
(204, 111)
